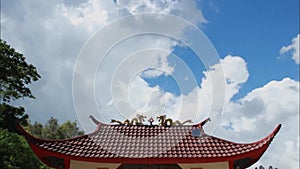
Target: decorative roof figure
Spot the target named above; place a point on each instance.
(151, 120)
(169, 122)
(138, 120)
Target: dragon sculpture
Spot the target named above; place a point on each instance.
(138, 120)
(164, 121)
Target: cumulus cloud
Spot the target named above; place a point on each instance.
(90, 14)
(293, 48)
(51, 34)
(263, 108)
(42, 34)
(197, 104)
(193, 14)
(242, 120)
(93, 14)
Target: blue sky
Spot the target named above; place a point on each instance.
(253, 86)
(255, 30)
(168, 83)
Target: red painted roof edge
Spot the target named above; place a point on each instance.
(271, 135)
(202, 123)
(24, 132)
(256, 154)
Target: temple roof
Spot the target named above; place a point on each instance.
(114, 143)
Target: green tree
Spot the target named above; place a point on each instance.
(53, 130)
(36, 129)
(15, 152)
(69, 130)
(15, 76)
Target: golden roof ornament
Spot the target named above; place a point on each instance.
(138, 120)
(162, 119)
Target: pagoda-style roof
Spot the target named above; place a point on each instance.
(153, 144)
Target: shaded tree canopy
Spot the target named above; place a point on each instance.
(15, 76)
(53, 130)
(15, 152)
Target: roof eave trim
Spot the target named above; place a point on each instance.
(271, 135)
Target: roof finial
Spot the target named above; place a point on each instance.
(204, 121)
(151, 120)
(94, 120)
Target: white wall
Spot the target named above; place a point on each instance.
(218, 165)
(91, 165)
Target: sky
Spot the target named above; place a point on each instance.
(235, 61)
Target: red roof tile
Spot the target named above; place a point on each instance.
(118, 141)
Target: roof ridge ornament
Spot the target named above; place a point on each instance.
(138, 120)
(198, 131)
(164, 121)
(94, 120)
(151, 120)
(204, 122)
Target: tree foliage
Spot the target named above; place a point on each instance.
(69, 130)
(9, 115)
(15, 76)
(53, 130)
(15, 152)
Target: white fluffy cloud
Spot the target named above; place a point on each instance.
(197, 104)
(263, 108)
(293, 48)
(193, 14)
(94, 14)
(51, 33)
(90, 14)
(243, 120)
(248, 119)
